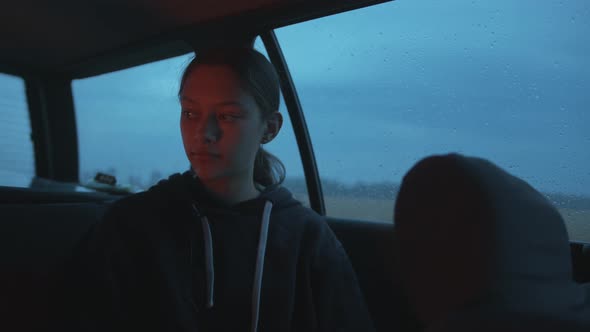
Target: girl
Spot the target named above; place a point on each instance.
(222, 247)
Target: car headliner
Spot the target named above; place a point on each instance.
(76, 38)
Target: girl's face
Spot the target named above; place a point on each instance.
(221, 124)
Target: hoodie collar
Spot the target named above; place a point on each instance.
(187, 187)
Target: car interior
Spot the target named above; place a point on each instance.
(53, 47)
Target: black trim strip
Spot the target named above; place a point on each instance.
(17, 69)
(314, 186)
(53, 124)
(122, 58)
(62, 128)
(39, 130)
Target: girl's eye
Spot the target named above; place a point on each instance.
(228, 117)
(188, 114)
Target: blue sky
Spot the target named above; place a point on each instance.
(504, 80)
(385, 86)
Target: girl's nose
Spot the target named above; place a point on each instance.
(210, 130)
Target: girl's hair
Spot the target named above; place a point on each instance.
(259, 78)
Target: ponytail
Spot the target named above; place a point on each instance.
(268, 169)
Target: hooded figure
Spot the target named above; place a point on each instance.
(481, 250)
(223, 247)
(176, 259)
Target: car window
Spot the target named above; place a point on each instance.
(17, 163)
(128, 126)
(127, 123)
(384, 86)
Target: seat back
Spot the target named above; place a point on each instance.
(369, 246)
(36, 240)
(476, 241)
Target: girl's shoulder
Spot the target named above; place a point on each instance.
(165, 193)
(309, 227)
(140, 210)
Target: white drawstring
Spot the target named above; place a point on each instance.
(210, 271)
(257, 288)
(209, 258)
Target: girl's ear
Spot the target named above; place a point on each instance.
(272, 127)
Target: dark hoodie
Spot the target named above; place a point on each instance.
(175, 259)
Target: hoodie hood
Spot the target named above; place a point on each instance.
(188, 188)
(497, 243)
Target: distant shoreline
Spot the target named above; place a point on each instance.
(389, 190)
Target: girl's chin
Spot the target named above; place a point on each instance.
(208, 173)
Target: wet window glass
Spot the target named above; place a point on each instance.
(17, 163)
(384, 86)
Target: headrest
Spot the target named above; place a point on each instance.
(469, 234)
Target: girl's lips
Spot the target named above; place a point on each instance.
(205, 154)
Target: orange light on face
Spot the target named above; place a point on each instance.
(220, 124)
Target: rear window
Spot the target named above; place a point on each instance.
(17, 164)
(128, 126)
(384, 86)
